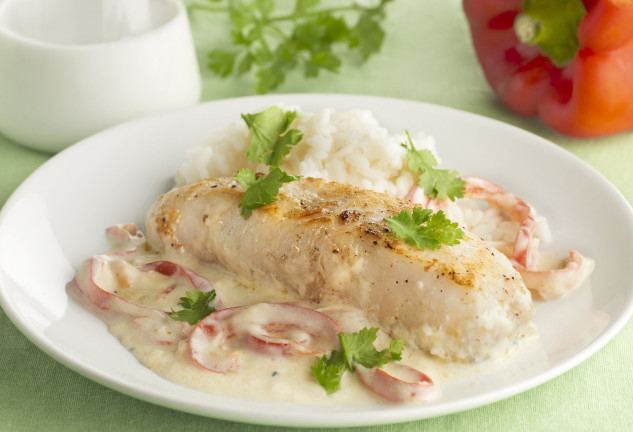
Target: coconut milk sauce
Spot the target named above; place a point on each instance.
(285, 378)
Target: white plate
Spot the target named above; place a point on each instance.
(56, 218)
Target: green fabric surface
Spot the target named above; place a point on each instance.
(427, 56)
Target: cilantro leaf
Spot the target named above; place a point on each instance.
(395, 349)
(195, 306)
(329, 371)
(272, 42)
(221, 61)
(355, 348)
(260, 191)
(321, 60)
(367, 35)
(359, 348)
(271, 139)
(272, 72)
(425, 229)
(246, 177)
(303, 6)
(437, 183)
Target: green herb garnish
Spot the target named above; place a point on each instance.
(355, 348)
(273, 43)
(271, 140)
(261, 190)
(422, 228)
(329, 371)
(195, 307)
(436, 183)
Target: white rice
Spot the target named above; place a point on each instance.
(348, 147)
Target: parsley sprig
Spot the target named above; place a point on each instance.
(271, 140)
(436, 183)
(356, 348)
(273, 43)
(195, 307)
(425, 229)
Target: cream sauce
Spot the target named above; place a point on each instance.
(161, 344)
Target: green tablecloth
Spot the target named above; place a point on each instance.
(427, 56)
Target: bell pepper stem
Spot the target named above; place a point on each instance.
(552, 25)
(526, 28)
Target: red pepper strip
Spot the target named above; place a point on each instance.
(516, 208)
(482, 189)
(178, 272)
(549, 284)
(209, 342)
(590, 96)
(85, 288)
(273, 330)
(108, 306)
(417, 385)
(554, 284)
(86, 282)
(127, 237)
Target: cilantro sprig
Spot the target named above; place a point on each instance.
(425, 229)
(329, 371)
(195, 306)
(356, 348)
(260, 190)
(271, 140)
(436, 183)
(272, 43)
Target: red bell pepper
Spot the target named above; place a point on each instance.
(568, 61)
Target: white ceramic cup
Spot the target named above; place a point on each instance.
(70, 68)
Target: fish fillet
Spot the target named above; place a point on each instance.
(329, 243)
